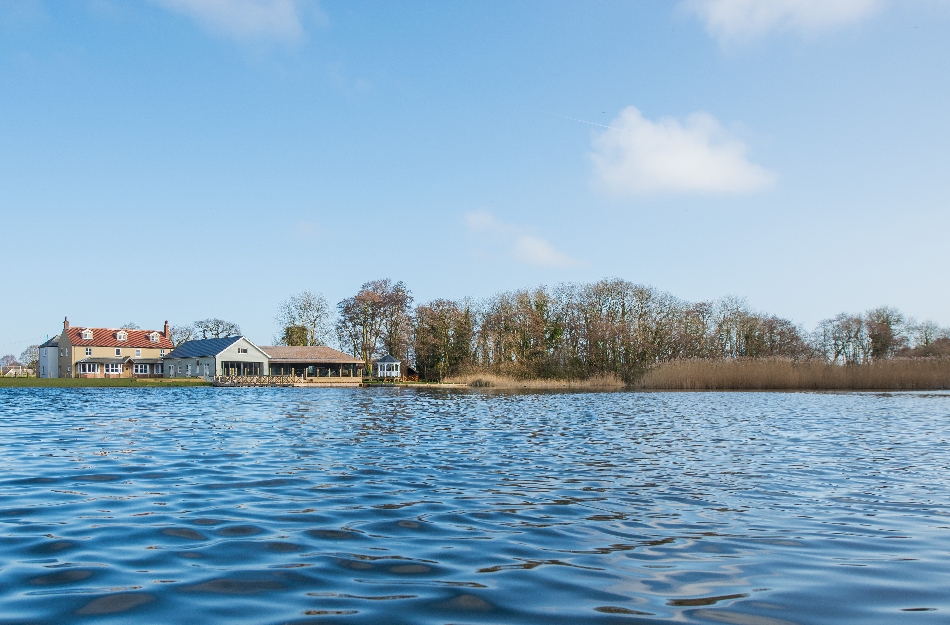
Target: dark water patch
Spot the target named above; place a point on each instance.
(704, 600)
(239, 530)
(228, 586)
(96, 477)
(69, 576)
(335, 534)
(112, 604)
(52, 547)
(613, 609)
(184, 532)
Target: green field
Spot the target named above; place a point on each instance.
(99, 382)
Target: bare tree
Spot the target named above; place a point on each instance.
(216, 328)
(31, 356)
(129, 326)
(306, 313)
(179, 334)
(8, 361)
(361, 320)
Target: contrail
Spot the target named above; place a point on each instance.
(583, 121)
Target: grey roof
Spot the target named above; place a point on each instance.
(388, 358)
(203, 348)
(53, 342)
(146, 361)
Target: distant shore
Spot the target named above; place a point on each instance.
(910, 374)
(100, 382)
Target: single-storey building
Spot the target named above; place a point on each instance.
(388, 367)
(84, 352)
(315, 361)
(229, 355)
(48, 365)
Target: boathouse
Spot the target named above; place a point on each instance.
(229, 355)
(314, 361)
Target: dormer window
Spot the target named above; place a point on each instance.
(87, 334)
(153, 337)
(121, 335)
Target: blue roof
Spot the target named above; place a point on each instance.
(203, 348)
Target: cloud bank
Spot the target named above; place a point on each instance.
(738, 19)
(516, 244)
(245, 19)
(636, 156)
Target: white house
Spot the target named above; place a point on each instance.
(48, 365)
(229, 355)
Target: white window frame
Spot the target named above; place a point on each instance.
(89, 351)
(153, 337)
(138, 353)
(113, 367)
(188, 370)
(140, 369)
(157, 369)
(86, 335)
(121, 335)
(89, 367)
(162, 353)
(118, 351)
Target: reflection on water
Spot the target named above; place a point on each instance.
(407, 506)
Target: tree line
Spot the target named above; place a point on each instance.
(572, 330)
(575, 330)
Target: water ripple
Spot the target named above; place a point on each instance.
(408, 506)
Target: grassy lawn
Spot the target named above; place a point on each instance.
(99, 382)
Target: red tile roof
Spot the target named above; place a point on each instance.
(106, 337)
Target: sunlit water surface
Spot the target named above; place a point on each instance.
(404, 506)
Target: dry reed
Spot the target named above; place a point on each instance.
(776, 374)
(490, 380)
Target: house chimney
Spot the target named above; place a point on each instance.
(65, 323)
(166, 328)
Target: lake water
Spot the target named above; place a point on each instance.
(411, 506)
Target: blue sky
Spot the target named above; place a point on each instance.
(182, 159)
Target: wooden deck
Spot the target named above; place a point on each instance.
(286, 381)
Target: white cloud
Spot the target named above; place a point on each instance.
(516, 244)
(737, 19)
(246, 19)
(638, 156)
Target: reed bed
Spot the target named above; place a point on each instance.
(490, 380)
(789, 375)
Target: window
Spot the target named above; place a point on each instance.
(87, 334)
(188, 370)
(89, 351)
(118, 351)
(242, 350)
(140, 369)
(207, 370)
(121, 335)
(89, 367)
(157, 370)
(162, 353)
(113, 367)
(138, 352)
(68, 369)
(153, 337)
